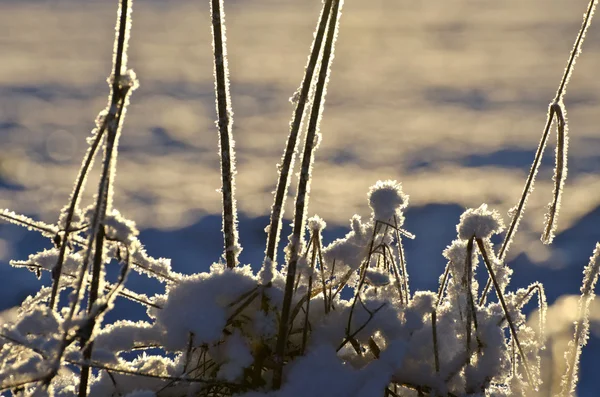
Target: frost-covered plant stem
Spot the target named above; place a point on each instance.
(313, 259)
(391, 343)
(443, 283)
(103, 200)
(513, 329)
(436, 354)
(363, 273)
(322, 269)
(402, 261)
(120, 89)
(80, 186)
(557, 103)
(93, 296)
(289, 155)
(226, 142)
(468, 284)
(560, 172)
(303, 190)
(74, 201)
(119, 98)
(582, 326)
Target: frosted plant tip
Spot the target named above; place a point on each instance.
(387, 199)
(456, 252)
(480, 222)
(316, 223)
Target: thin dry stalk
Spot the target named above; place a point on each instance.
(322, 269)
(351, 336)
(49, 230)
(188, 352)
(402, 261)
(23, 344)
(226, 142)
(443, 283)
(542, 305)
(468, 284)
(93, 296)
(374, 347)
(396, 272)
(74, 201)
(243, 306)
(558, 99)
(121, 87)
(302, 194)
(125, 371)
(95, 311)
(119, 97)
(436, 354)
(310, 281)
(560, 173)
(331, 278)
(45, 229)
(582, 327)
(287, 163)
(310, 243)
(511, 324)
(21, 383)
(363, 273)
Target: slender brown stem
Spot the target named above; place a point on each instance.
(310, 281)
(96, 231)
(121, 88)
(560, 174)
(79, 187)
(93, 296)
(322, 268)
(302, 195)
(288, 156)
(516, 218)
(226, 143)
(443, 284)
(436, 354)
(511, 324)
(398, 282)
(582, 326)
(468, 284)
(402, 260)
(351, 336)
(363, 272)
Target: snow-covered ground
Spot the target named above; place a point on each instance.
(448, 97)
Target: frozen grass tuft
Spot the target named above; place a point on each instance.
(387, 200)
(479, 223)
(335, 319)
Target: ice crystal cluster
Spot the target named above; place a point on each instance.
(335, 319)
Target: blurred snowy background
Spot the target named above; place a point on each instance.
(448, 97)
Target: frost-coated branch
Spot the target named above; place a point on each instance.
(226, 142)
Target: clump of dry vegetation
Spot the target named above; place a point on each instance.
(287, 330)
